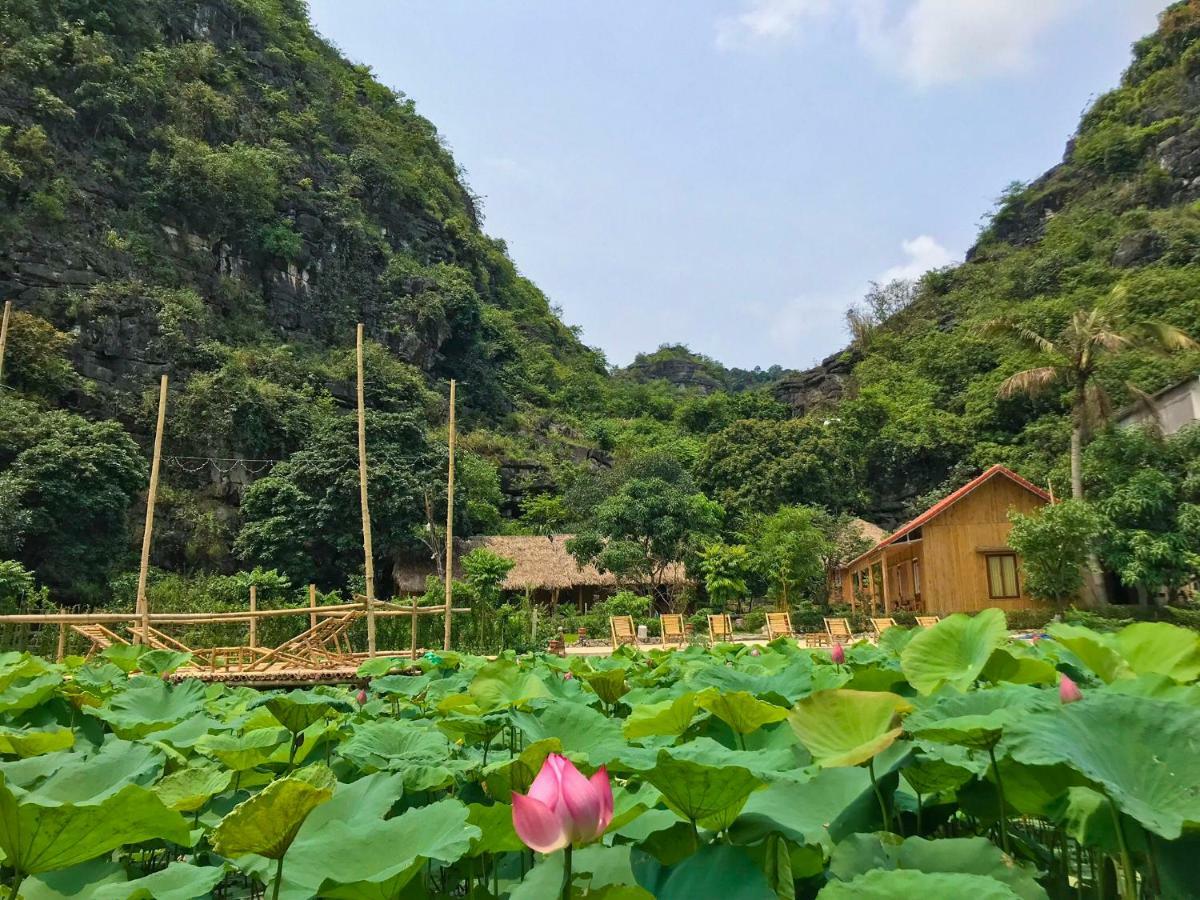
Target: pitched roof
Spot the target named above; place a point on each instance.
(541, 561)
(946, 502)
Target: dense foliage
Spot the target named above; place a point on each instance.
(951, 761)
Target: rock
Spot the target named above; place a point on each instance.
(1139, 248)
(680, 372)
(819, 386)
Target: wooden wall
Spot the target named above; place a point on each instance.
(954, 577)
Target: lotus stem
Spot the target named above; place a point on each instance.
(1003, 802)
(16, 883)
(920, 811)
(887, 816)
(566, 885)
(278, 879)
(1127, 871)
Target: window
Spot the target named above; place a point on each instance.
(1002, 576)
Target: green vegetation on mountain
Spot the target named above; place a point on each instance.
(208, 189)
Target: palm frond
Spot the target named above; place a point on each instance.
(1150, 408)
(1166, 337)
(1031, 382)
(1027, 335)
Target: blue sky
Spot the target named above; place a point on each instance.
(730, 174)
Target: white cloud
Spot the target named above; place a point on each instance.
(927, 42)
(924, 253)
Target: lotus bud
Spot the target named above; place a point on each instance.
(1068, 690)
(837, 654)
(567, 676)
(361, 697)
(562, 806)
(756, 652)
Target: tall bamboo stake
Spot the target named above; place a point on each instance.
(450, 521)
(368, 558)
(312, 604)
(253, 616)
(4, 335)
(143, 604)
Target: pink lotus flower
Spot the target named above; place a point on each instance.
(567, 676)
(562, 807)
(362, 697)
(755, 652)
(1068, 691)
(837, 654)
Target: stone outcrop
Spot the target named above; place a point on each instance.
(820, 386)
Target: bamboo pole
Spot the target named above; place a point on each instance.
(143, 602)
(4, 335)
(312, 604)
(449, 522)
(368, 558)
(253, 617)
(62, 642)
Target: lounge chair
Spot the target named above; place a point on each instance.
(100, 637)
(928, 621)
(779, 624)
(672, 629)
(882, 625)
(719, 628)
(839, 630)
(622, 631)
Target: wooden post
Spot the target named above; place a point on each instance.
(450, 522)
(4, 335)
(253, 615)
(368, 557)
(143, 603)
(312, 604)
(62, 641)
(887, 599)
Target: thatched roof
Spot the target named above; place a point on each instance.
(869, 531)
(542, 562)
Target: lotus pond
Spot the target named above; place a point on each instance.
(948, 762)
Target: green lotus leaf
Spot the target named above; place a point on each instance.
(24, 742)
(835, 802)
(355, 868)
(244, 751)
(78, 882)
(978, 719)
(1096, 651)
(382, 665)
(26, 693)
(666, 717)
(933, 775)
(496, 831)
(518, 773)
(846, 728)
(1012, 666)
(402, 685)
(609, 684)
(741, 711)
(40, 835)
(768, 762)
(1087, 816)
(472, 729)
(503, 684)
(178, 881)
(1144, 754)
(150, 704)
(392, 744)
(297, 710)
(707, 795)
(268, 822)
(716, 870)
(904, 884)
(1160, 648)
(189, 732)
(586, 735)
(78, 777)
(190, 789)
(163, 662)
(954, 651)
(799, 679)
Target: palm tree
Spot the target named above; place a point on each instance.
(1071, 361)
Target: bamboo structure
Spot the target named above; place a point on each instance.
(449, 521)
(253, 618)
(143, 602)
(312, 604)
(4, 335)
(368, 558)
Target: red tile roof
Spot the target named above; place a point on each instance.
(945, 503)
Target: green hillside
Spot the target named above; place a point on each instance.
(207, 189)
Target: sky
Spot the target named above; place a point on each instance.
(732, 174)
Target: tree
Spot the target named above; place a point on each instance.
(791, 546)
(1055, 543)
(66, 487)
(1071, 361)
(1147, 489)
(881, 302)
(304, 518)
(654, 519)
(727, 569)
(485, 571)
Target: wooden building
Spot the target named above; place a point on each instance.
(954, 557)
(543, 569)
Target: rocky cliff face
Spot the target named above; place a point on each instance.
(819, 387)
